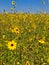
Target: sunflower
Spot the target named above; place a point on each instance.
(16, 30)
(11, 45)
(13, 3)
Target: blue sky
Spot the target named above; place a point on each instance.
(26, 5)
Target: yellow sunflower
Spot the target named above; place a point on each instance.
(13, 3)
(11, 45)
(16, 30)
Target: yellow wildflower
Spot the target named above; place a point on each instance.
(13, 3)
(11, 45)
(16, 30)
(27, 63)
(42, 41)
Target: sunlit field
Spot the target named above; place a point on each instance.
(24, 39)
(24, 32)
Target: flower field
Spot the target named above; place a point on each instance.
(24, 39)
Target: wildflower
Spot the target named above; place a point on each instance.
(42, 41)
(47, 20)
(13, 3)
(16, 30)
(27, 63)
(11, 45)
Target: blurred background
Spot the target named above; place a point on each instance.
(31, 6)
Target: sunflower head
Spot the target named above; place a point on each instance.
(16, 30)
(11, 45)
(13, 3)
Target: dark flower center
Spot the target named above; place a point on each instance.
(11, 44)
(16, 29)
(48, 28)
